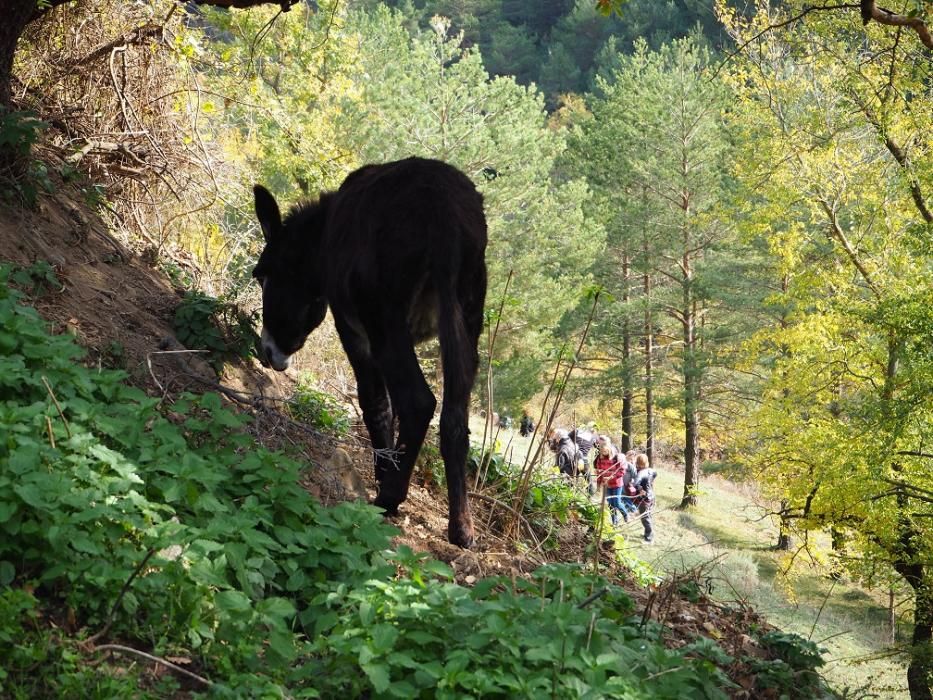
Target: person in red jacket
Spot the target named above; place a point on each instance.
(610, 469)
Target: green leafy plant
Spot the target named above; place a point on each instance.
(545, 636)
(23, 176)
(175, 532)
(37, 279)
(203, 322)
(794, 671)
(318, 408)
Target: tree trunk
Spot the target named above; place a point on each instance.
(649, 350)
(908, 563)
(784, 542)
(691, 394)
(837, 541)
(627, 399)
(920, 669)
(892, 618)
(16, 16)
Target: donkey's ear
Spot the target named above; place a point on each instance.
(267, 211)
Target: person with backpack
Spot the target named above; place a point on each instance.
(527, 425)
(565, 451)
(584, 438)
(644, 493)
(610, 466)
(628, 484)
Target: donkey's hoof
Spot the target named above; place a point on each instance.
(461, 535)
(391, 509)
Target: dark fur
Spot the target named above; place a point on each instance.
(398, 253)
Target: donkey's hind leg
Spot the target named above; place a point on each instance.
(460, 326)
(413, 404)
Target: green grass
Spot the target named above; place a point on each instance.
(845, 619)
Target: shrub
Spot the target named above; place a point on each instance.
(202, 322)
(318, 408)
(794, 670)
(23, 176)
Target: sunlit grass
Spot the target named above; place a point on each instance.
(727, 526)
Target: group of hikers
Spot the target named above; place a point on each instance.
(628, 478)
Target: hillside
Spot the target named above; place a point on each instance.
(727, 544)
(109, 299)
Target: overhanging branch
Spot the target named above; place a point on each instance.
(870, 11)
(241, 4)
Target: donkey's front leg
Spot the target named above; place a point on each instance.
(414, 404)
(373, 398)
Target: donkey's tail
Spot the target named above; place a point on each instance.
(457, 361)
(460, 321)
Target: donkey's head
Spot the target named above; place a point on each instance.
(293, 304)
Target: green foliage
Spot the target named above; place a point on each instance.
(793, 672)
(837, 434)
(25, 646)
(502, 638)
(37, 279)
(318, 408)
(802, 654)
(22, 176)
(192, 540)
(202, 322)
(89, 493)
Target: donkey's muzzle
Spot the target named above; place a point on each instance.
(270, 355)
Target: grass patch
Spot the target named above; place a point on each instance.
(847, 620)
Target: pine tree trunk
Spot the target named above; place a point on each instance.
(627, 389)
(691, 378)
(649, 351)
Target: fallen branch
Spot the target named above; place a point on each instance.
(519, 516)
(156, 659)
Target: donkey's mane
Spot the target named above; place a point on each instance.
(301, 216)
